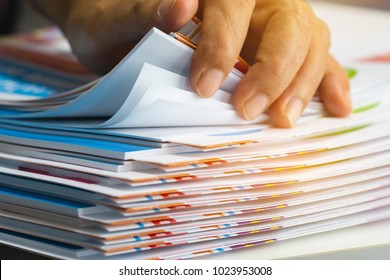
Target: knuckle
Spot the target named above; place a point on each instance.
(297, 14)
(249, 3)
(222, 57)
(324, 32)
(279, 72)
(301, 20)
(219, 52)
(244, 4)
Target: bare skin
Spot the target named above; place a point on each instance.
(285, 43)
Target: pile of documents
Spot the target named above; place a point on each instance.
(133, 165)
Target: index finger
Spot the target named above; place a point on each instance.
(224, 28)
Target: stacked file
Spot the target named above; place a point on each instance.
(133, 165)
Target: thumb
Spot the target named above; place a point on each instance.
(103, 32)
(138, 16)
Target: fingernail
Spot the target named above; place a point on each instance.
(209, 82)
(294, 110)
(165, 8)
(255, 105)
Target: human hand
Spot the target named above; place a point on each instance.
(287, 46)
(102, 32)
(283, 40)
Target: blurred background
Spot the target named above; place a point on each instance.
(377, 4)
(17, 15)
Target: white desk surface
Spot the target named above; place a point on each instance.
(356, 33)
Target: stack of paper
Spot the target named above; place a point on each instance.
(134, 165)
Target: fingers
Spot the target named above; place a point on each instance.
(103, 32)
(334, 90)
(129, 20)
(224, 28)
(282, 51)
(289, 106)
